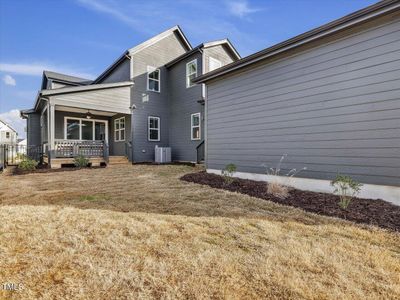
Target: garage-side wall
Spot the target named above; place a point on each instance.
(332, 109)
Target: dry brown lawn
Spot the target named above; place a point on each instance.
(138, 232)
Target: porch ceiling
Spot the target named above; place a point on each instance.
(84, 111)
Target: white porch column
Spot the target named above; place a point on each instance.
(51, 125)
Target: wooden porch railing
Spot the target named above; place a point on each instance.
(65, 148)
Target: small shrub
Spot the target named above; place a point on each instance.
(81, 161)
(278, 190)
(274, 188)
(228, 172)
(347, 188)
(27, 164)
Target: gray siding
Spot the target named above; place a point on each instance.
(33, 129)
(218, 52)
(183, 103)
(120, 73)
(156, 55)
(333, 109)
(118, 148)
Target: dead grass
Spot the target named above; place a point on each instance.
(278, 190)
(131, 232)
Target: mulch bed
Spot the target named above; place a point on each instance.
(367, 211)
(46, 169)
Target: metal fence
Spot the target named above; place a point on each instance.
(12, 155)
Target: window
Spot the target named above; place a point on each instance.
(191, 72)
(85, 130)
(119, 129)
(195, 126)
(153, 79)
(213, 64)
(7, 135)
(73, 129)
(154, 129)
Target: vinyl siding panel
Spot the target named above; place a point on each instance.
(119, 74)
(118, 148)
(149, 103)
(183, 103)
(334, 109)
(33, 130)
(218, 52)
(115, 99)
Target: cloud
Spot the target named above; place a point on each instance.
(36, 69)
(13, 118)
(240, 8)
(9, 80)
(112, 9)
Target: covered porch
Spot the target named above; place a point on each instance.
(93, 123)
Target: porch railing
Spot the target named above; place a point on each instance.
(65, 148)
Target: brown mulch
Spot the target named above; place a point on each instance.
(46, 169)
(367, 211)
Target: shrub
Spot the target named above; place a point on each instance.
(274, 188)
(278, 190)
(228, 172)
(28, 164)
(81, 161)
(347, 188)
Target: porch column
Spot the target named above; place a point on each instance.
(51, 125)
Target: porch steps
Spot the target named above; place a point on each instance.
(117, 160)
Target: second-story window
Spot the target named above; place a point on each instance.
(7, 135)
(153, 79)
(191, 72)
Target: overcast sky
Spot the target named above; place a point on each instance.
(83, 37)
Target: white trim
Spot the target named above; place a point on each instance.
(80, 128)
(158, 129)
(188, 85)
(119, 130)
(151, 69)
(369, 191)
(192, 126)
(213, 60)
(158, 38)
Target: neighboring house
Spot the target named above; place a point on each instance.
(145, 98)
(21, 146)
(328, 98)
(8, 135)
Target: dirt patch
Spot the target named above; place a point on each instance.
(367, 211)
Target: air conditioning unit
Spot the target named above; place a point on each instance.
(162, 155)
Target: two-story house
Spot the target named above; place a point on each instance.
(145, 98)
(8, 135)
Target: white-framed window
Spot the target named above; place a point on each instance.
(153, 126)
(153, 79)
(7, 135)
(80, 129)
(191, 72)
(213, 64)
(119, 129)
(195, 126)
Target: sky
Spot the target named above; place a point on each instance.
(83, 37)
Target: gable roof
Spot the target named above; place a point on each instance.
(176, 29)
(8, 125)
(205, 45)
(63, 78)
(360, 16)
